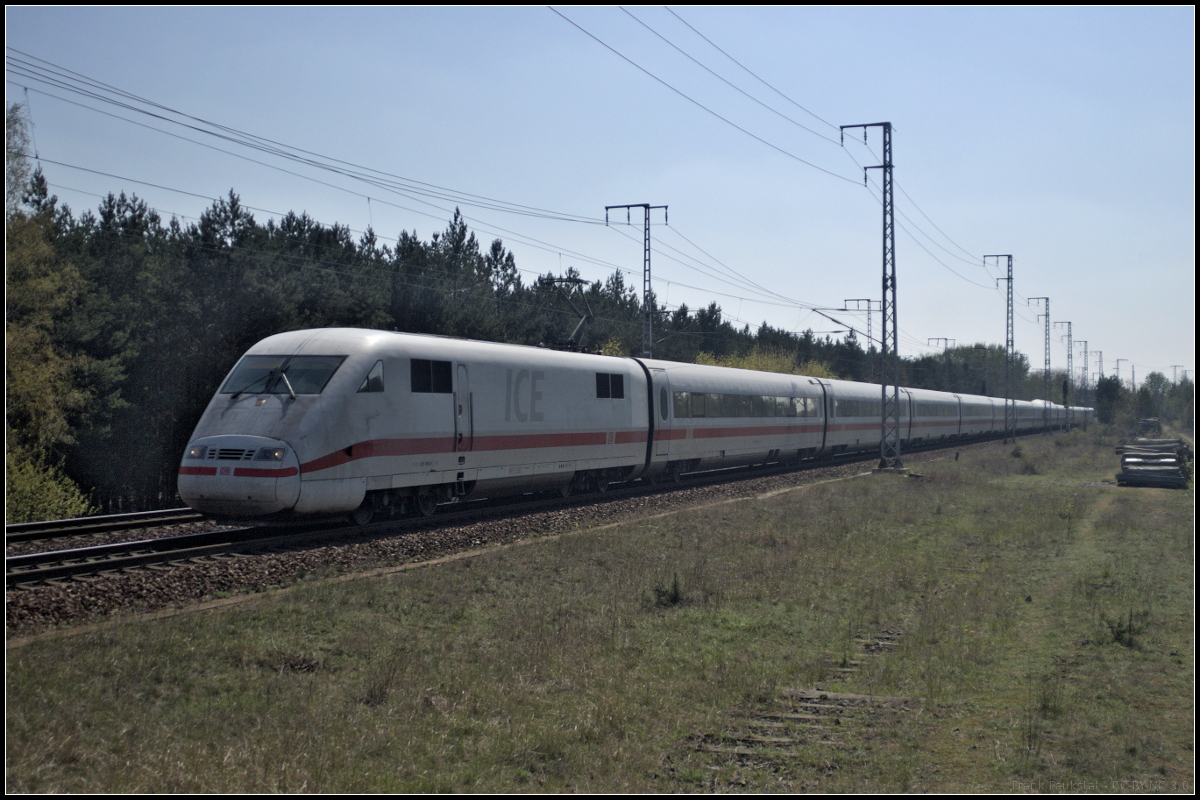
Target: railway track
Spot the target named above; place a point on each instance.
(176, 579)
(109, 558)
(107, 523)
(73, 562)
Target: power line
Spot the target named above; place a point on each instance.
(748, 282)
(927, 236)
(752, 73)
(970, 258)
(742, 282)
(906, 230)
(410, 194)
(780, 302)
(726, 81)
(74, 82)
(973, 258)
(697, 103)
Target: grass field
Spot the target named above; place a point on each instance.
(1040, 625)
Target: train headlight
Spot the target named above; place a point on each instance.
(270, 454)
(197, 451)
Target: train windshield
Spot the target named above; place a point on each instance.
(282, 374)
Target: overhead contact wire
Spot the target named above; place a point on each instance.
(697, 103)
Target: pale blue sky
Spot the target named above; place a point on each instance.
(1063, 136)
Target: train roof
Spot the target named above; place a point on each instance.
(376, 343)
(367, 342)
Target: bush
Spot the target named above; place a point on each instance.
(34, 490)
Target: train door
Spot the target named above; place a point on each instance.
(905, 414)
(824, 404)
(464, 416)
(662, 407)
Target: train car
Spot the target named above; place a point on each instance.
(344, 420)
(854, 416)
(1028, 416)
(936, 416)
(980, 415)
(340, 420)
(715, 417)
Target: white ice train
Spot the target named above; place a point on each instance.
(339, 420)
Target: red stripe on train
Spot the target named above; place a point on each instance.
(255, 472)
(197, 470)
(243, 472)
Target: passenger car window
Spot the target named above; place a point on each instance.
(681, 405)
(610, 385)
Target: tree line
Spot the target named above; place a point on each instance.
(1157, 398)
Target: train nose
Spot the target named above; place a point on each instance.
(243, 477)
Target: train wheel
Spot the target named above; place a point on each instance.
(602, 481)
(567, 488)
(363, 514)
(426, 501)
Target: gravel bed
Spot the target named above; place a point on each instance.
(67, 603)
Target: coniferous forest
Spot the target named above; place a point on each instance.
(120, 326)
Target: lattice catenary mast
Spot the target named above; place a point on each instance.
(1010, 400)
(1070, 375)
(858, 301)
(1085, 383)
(889, 372)
(647, 308)
(1046, 373)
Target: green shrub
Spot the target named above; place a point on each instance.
(34, 490)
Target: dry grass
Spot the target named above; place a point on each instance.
(594, 662)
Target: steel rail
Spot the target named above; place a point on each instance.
(82, 526)
(33, 567)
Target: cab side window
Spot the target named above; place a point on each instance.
(431, 377)
(374, 380)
